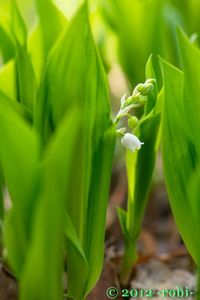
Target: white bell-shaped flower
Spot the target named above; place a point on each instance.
(131, 142)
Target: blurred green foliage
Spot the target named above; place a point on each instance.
(56, 127)
(148, 27)
(180, 142)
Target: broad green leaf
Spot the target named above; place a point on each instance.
(98, 199)
(179, 157)
(35, 48)
(76, 259)
(7, 104)
(158, 110)
(67, 82)
(72, 237)
(190, 14)
(50, 30)
(18, 26)
(7, 48)
(193, 194)
(19, 154)
(68, 7)
(45, 35)
(140, 167)
(122, 215)
(190, 57)
(26, 82)
(159, 104)
(46, 248)
(9, 87)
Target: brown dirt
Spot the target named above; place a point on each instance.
(8, 285)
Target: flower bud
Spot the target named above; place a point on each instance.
(151, 80)
(132, 122)
(130, 100)
(121, 131)
(146, 89)
(137, 90)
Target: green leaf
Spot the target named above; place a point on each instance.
(140, 167)
(7, 47)
(9, 86)
(122, 215)
(26, 82)
(18, 26)
(68, 83)
(19, 154)
(50, 30)
(151, 100)
(36, 51)
(7, 104)
(193, 193)
(179, 156)
(46, 248)
(45, 35)
(98, 200)
(190, 57)
(76, 260)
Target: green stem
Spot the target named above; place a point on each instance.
(129, 259)
(198, 285)
(1, 213)
(1, 200)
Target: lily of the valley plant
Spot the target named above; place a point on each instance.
(143, 136)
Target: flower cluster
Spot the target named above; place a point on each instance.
(137, 99)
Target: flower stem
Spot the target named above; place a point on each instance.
(129, 259)
(198, 285)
